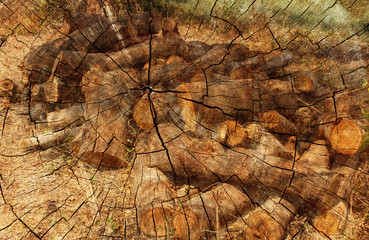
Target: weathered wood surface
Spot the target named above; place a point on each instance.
(213, 135)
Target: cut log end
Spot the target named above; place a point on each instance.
(302, 82)
(346, 137)
(154, 63)
(6, 85)
(142, 113)
(231, 133)
(332, 222)
(174, 59)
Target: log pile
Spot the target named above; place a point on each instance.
(223, 122)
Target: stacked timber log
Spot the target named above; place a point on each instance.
(243, 137)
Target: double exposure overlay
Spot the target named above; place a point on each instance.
(184, 119)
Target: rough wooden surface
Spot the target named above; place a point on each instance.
(123, 124)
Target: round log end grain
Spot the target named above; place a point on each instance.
(156, 222)
(302, 82)
(142, 113)
(6, 85)
(174, 59)
(154, 63)
(346, 137)
(231, 133)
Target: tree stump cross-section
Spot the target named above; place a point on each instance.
(144, 120)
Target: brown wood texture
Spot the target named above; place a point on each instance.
(215, 138)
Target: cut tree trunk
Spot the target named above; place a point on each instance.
(105, 34)
(216, 101)
(276, 87)
(215, 133)
(317, 154)
(278, 94)
(274, 66)
(333, 221)
(238, 53)
(291, 146)
(303, 83)
(210, 211)
(7, 87)
(204, 161)
(270, 221)
(243, 72)
(174, 59)
(262, 141)
(39, 62)
(192, 50)
(246, 68)
(168, 76)
(49, 140)
(344, 135)
(154, 63)
(154, 200)
(143, 113)
(231, 133)
(105, 136)
(188, 111)
(276, 123)
(63, 118)
(37, 65)
(155, 108)
(212, 57)
(309, 189)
